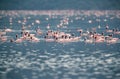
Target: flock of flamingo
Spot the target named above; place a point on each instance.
(62, 37)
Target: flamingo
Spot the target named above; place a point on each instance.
(3, 38)
(62, 40)
(89, 41)
(48, 26)
(118, 32)
(113, 40)
(19, 40)
(8, 30)
(38, 31)
(34, 39)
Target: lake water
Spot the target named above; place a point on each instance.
(53, 60)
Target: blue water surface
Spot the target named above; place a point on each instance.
(53, 60)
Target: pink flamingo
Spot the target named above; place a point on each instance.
(3, 38)
(8, 30)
